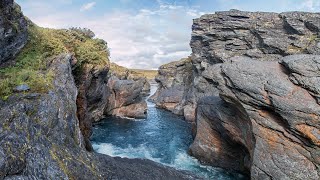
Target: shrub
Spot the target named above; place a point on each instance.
(31, 63)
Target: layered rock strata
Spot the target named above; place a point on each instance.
(46, 135)
(255, 93)
(173, 81)
(41, 138)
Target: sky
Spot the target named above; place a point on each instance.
(145, 34)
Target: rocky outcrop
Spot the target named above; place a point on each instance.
(254, 114)
(123, 73)
(41, 138)
(125, 98)
(13, 30)
(265, 123)
(216, 38)
(173, 80)
(104, 91)
(255, 93)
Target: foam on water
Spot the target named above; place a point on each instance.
(182, 160)
(162, 137)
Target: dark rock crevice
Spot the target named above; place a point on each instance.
(41, 138)
(235, 56)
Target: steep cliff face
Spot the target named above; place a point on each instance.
(254, 114)
(173, 80)
(41, 138)
(91, 69)
(128, 92)
(256, 101)
(218, 37)
(45, 126)
(13, 30)
(105, 91)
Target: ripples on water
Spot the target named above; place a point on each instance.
(162, 137)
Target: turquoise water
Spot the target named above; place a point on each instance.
(162, 137)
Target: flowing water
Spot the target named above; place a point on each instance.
(162, 137)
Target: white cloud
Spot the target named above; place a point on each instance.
(144, 39)
(148, 38)
(311, 5)
(88, 6)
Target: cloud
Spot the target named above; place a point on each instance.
(311, 5)
(147, 39)
(87, 6)
(150, 36)
(143, 39)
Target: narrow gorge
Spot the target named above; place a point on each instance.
(251, 91)
(244, 105)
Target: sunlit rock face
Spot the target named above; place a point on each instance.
(257, 102)
(254, 95)
(41, 138)
(174, 79)
(13, 30)
(103, 92)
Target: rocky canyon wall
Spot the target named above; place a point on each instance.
(44, 133)
(13, 30)
(107, 91)
(255, 93)
(40, 138)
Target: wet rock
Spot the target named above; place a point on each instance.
(105, 91)
(13, 30)
(254, 94)
(41, 139)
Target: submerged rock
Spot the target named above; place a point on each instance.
(41, 138)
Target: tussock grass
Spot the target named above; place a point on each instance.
(31, 63)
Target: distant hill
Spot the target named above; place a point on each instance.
(149, 74)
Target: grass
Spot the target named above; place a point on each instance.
(31, 63)
(132, 73)
(149, 74)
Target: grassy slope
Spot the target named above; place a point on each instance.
(149, 74)
(31, 63)
(133, 73)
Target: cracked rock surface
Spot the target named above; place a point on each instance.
(255, 93)
(13, 30)
(40, 138)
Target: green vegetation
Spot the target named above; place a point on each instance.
(308, 40)
(126, 73)
(149, 74)
(31, 64)
(119, 71)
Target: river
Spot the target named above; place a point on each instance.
(163, 137)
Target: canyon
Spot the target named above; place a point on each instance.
(254, 92)
(44, 134)
(250, 90)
